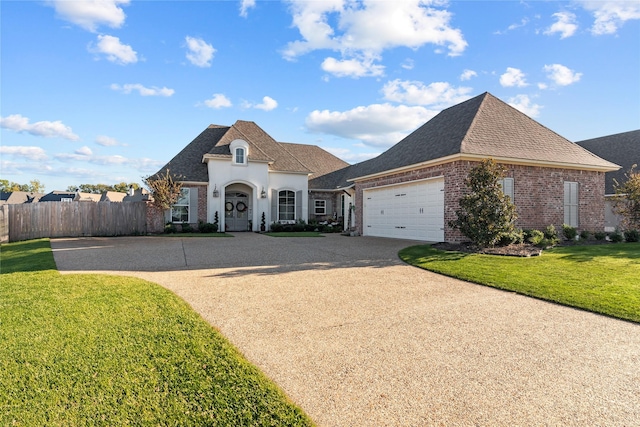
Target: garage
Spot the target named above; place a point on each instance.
(406, 211)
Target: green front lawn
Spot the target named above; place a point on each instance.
(600, 278)
(105, 350)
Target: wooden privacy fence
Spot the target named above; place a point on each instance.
(72, 219)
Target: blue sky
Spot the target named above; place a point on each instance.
(104, 91)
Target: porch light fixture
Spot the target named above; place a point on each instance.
(263, 194)
(216, 193)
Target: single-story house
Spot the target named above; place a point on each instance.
(18, 197)
(410, 191)
(239, 173)
(59, 196)
(622, 149)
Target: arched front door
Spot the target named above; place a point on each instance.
(236, 211)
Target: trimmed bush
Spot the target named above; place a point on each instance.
(551, 235)
(277, 227)
(632, 236)
(600, 235)
(170, 228)
(569, 232)
(584, 235)
(616, 237)
(535, 237)
(207, 227)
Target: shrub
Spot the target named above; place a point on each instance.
(186, 227)
(551, 235)
(276, 227)
(600, 235)
(513, 238)
(616, 237)
(170, 228)
(207, 227)
(535, 237)
(569, 232)
(584, 235)
(485, 213)
(632, 236)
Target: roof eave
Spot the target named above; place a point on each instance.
(478, 157)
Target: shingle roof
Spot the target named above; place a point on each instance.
(621, 148)
(314, 158)
(56, 196)
(19, 197)
(481, 126)
(214, 142)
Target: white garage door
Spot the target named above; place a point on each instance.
(406, 211)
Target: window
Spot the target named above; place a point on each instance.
(507, 187)
(180, 210)
(240, 157)
(286, 205)
(320, 207)
(571, 203)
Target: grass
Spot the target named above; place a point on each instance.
(104, 350)
(600, 278)
(294, 234)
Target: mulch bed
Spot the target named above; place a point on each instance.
(519, 250)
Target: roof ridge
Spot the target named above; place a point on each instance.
(253, 145)
(463, 142)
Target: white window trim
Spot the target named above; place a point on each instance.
(244, 156)
(568, 204)
(284, 221)
(188, 198)
(320, 210)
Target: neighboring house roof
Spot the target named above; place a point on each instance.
(18, 197)
(56, 196)
(87, 197)
(112, 196)
(621, 148)
(483, 126)
(314, 158)
(214, 142)
(139, 195)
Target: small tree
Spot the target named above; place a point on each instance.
(627, 199)
(164, 188)
(485, 214)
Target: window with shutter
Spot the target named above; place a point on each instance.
(571, 203)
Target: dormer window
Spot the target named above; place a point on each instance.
(240, 156)
(239, 151)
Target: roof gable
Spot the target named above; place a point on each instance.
(482, 126)
(315, 159)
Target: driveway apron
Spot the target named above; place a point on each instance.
(358, 338)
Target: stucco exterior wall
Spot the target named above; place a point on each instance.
(538, 194)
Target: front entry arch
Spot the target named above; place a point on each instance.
(237, 208)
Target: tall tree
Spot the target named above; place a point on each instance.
(627, 199)
(485, 214)
(34, 186)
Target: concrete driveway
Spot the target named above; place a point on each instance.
(357, 338)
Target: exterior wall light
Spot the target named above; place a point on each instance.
(263, 194)
(216, 193)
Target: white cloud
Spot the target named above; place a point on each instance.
(365, 29)
(107, 141)
(513, 77)
(352, 67)
(267, 104)
(142, 90)
(437, 94)
(349, 156)
(561, 75)
(611, 15)
(218, 101)
(525, 105)
(245, 5)
(114, 50)
(377, 125)
(512, 27)
(57, 129)
(200, 53)
(408, 64)
(467, 75)
(30, 153)
(565, 25)
(84, 151)
(89, 14)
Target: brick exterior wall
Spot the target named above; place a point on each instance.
(202, 202)
(332, 204)
(538, 194)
